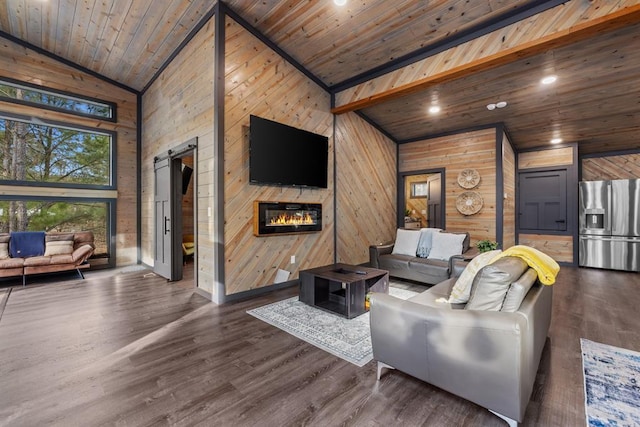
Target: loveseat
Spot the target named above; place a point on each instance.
(46, 253)
(486, 350)
(419, 259)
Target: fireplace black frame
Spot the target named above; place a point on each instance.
(261, 229)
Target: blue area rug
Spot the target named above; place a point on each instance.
(611, 385)
(349, 339)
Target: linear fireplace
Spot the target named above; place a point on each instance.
(274, 218)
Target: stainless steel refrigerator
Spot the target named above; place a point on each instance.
(610, 224)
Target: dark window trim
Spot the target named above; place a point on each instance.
(111, 217)
(113, 175)
(111, 105)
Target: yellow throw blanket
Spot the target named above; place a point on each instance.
(543, 264)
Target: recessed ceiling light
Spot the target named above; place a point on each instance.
(556, 140)
(340, 2)
(548, 80)
(501, 104)
(434, 109)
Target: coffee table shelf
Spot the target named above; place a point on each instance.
(339, 289)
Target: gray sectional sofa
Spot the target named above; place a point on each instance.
(420, 269)
(488, 357)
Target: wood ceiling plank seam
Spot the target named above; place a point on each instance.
(138, 49)
(5, 23)
(17, 24)
(78, 31)
(34, 23)
(116, 62)
(50, 23)
(162, 43)
(92, 38)
(112, 31)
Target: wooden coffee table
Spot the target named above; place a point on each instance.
(341, 288)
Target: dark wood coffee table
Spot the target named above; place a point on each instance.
(341, 288)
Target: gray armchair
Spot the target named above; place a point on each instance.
(488, 357)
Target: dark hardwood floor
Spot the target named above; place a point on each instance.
(130, 349)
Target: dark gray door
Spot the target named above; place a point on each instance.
(543, 200)
(167, 261)
(434, 203)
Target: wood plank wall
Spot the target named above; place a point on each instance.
(22, 64)
(178, 107)
(623, 166)
(259, 82)
(476, 149)
(559, 248)
(509, 190)
(520, 33)
(366, 188)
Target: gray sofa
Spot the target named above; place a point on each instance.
(423, 270)
(488, 357)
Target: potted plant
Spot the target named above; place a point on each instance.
(487, 245)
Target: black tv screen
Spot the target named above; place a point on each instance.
(286, 156)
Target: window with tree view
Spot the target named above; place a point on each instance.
(38, 96)
(57, 216)
(42, 153)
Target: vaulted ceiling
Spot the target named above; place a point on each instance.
(595, 102)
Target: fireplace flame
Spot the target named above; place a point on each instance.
(296, 219)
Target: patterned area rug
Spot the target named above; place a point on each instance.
(349, 339)
(611, 385)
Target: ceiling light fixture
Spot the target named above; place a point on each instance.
(340, 2)
(434, 109)
(556, 140)
(548, 80)
(499, 104)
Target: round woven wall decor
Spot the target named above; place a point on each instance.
(469, 203)
(468, 178)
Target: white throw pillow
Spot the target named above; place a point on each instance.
(445, 245)
(406, 242)
(58, 248)
(462, 288)
(424, 244)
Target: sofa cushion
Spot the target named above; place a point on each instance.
(406, 242)
(58, 237)
(492, 282)
(445, 245)
(26, 243)
(425, 241)
(518, 290)
(5, 237)
(394, 262)
(61, 247)
(430, 270)
(4, 250)
(11, 263)
(462, 289)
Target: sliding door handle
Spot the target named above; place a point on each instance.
(166, 220)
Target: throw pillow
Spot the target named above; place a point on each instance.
(492, 283)
(58, 247)
(445, 245)
(462, 288)
(518, 290)
(406, 242)
(55, 237)
(425, 242)
(4, 250)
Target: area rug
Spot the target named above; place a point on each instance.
(349, 339)
(611, 384)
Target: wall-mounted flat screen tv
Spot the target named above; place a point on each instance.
(286, 156)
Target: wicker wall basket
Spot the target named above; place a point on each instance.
(469, 203)
(468, 178)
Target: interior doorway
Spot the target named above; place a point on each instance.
(175, 228)
(422, 199)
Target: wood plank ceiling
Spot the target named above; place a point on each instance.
(595, 102)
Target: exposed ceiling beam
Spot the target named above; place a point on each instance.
(579, 32)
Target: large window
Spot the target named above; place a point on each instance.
(58, 216)
(24, 93)
(54, 154)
